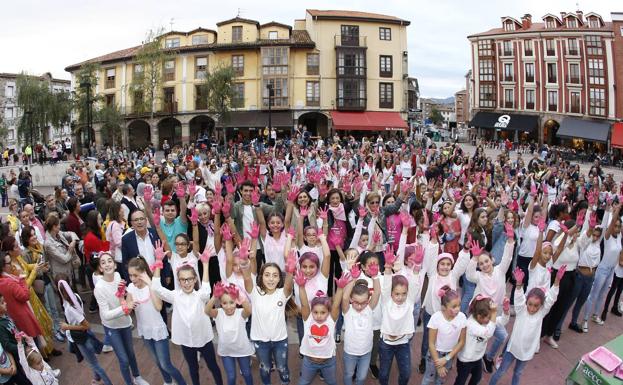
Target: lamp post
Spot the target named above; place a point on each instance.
(270, 103)
(86, 84)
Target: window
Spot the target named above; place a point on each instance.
(8, 113)
(237, 62)
(280, 92)
(593, 22)
(169, 104)
(593, 45)
(575, 102)
(313, 64)
(509, 26)
(487, 95)
(172, 43)
(552, 100)
(574, 73)
(199, 39)
(109, 100)
(508, 48)
(572, 47)
(530, 99)
(485, 47)
(351, 63)
(236, 34)
(272, 35)
(385, 33)
(596, 73)
(137, 102)
(527, 48)
(201, 67)
(11, 135)
(351, 94)
(509, 98)
(9, 91)
(237, 100)
(110, 78)
(486, 70)
(508, 72)
(572, 22)
(275, 60)
(552, 73)
(386, 95)
(312, 94)
(350, 35)
(621, 30)
(385, 66)
(138, 71)
(597, 101)
(550, 23)
(169, 70)
(201, 99)
(529, 72)
(550, 47)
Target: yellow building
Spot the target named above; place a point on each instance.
(333, 70)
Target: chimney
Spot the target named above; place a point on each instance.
(580, 15)
(526, 21)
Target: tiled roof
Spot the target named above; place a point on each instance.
(238, 20)
(355, 15)
(540, 27)
(276, 24)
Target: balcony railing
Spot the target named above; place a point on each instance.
(506, 52)
(529, 79)
(551, 52)
(552, 107)
(110, 83)
(574, 109)
(528, 52)
(169, 108)
(573, 52)
(350, 41)
(529, 105)
(278, 102)
(509, 78)
(351, 103)
(351, 71)
(508, 104)
(574, 79)
(552, 79)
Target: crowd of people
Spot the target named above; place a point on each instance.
(357, 242)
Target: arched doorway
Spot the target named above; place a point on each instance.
(317, 123)
(170, 129)
(550, 127)
(139, 134)
(201, 127)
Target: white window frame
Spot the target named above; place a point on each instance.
(173, 42)
(273, 35)
(526, 98)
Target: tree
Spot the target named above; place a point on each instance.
(147, 77)
(218, 89)
(41, 107)
(112, 121)
(436, 116)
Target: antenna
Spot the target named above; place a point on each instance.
(577, 5)
(239, 12)
(171, 22)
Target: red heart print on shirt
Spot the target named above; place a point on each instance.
(319, 332)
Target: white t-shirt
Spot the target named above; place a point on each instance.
(232, 335)
(318, 282)
(539, 277)
(318, 340)
(274, 250)
(111, 313)
(448, 332)
(358, 331)
(149, 322)
(269, 317)
(529, 236)
(612, 248)
(73, 316)
(177, 261)
(476, 338)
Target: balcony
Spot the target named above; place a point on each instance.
(350, 41)
(529, 105)
(279, 102)
(552, 107)
(528, 52)
(574, 109)
(573, 79)
(550, 52)
(506, 52)
(529, 78)
(351, 103)
(509, 105)
(573, 52)
(110, 83)
(509, 78)
(552, 79)
(169, 108)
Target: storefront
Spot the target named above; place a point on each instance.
(250, 124)
(369, 123)
(616, 142)
(584, 135)
(514, 127)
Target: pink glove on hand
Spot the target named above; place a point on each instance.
(343, 281)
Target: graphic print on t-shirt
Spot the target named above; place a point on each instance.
(319, 333)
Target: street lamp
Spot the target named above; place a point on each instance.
(270, 103)
(86, 84)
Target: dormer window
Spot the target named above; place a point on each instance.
(272, 35)
(172, 43)
(572, 22)
(550, 23)
(200, 39)
(236, 34)
(509, 26)
(593, 22)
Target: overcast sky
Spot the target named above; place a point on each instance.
(41, 36)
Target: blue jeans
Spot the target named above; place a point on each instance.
(416, 313)
(121, 342)
(361, 363)
(309, 369)
(387, 352)
(50, 305)
(88, 352)
(267, 352)
(430, 374)
(207, 351)
(160, 352)
(599, 289)
(581, 290)
(230, 369)
(499, 336)
(468, 293)
(507, 361)
(425, 319)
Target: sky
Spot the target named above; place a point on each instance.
(47, 36)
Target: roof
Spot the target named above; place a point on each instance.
(8, 75)
(355, 15)
(540, 27)
(238, 20)
(275, 24)
(298, 39)
(200, 29)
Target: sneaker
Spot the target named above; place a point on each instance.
(321, 377)
(422, 367)
(604, 314)
(374, 370)
(60, 337)
(585, 326)
(106, 349)
(488, 365)
(575, 327)
(56, 372)
(550, 341)
(597, 320)
(616, 312)
(140, 381)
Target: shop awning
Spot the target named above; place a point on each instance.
(368, 121)
(584, 129)
(257, 119)
(506, 122)
(617, 135)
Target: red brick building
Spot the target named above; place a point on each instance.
(553, 81)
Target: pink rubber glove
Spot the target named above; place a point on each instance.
(254, 233)
(299, 278)
(255, 197)
(323, 213)
(343, 281)
(510, 231)
(226, 232)
(194, 216)
(519, 275)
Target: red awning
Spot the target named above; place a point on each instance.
(617, 135)
(368, 121)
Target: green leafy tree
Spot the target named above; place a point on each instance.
(435, 116)
(85, 96)
(112, 122)
(147, 76)
(218, 89)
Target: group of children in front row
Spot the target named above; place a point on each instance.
(379, 312)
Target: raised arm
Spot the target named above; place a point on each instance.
(326, 261)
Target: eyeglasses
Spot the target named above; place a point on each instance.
(187, 280)
(355, 303)
(373, 203)
(181, 244)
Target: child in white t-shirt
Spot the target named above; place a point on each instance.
(446, 338)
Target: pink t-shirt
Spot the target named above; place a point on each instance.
(337, 234)
(394, 228)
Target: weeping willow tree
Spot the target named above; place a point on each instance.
(111, 124)
(218, 89)
(41, 108)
